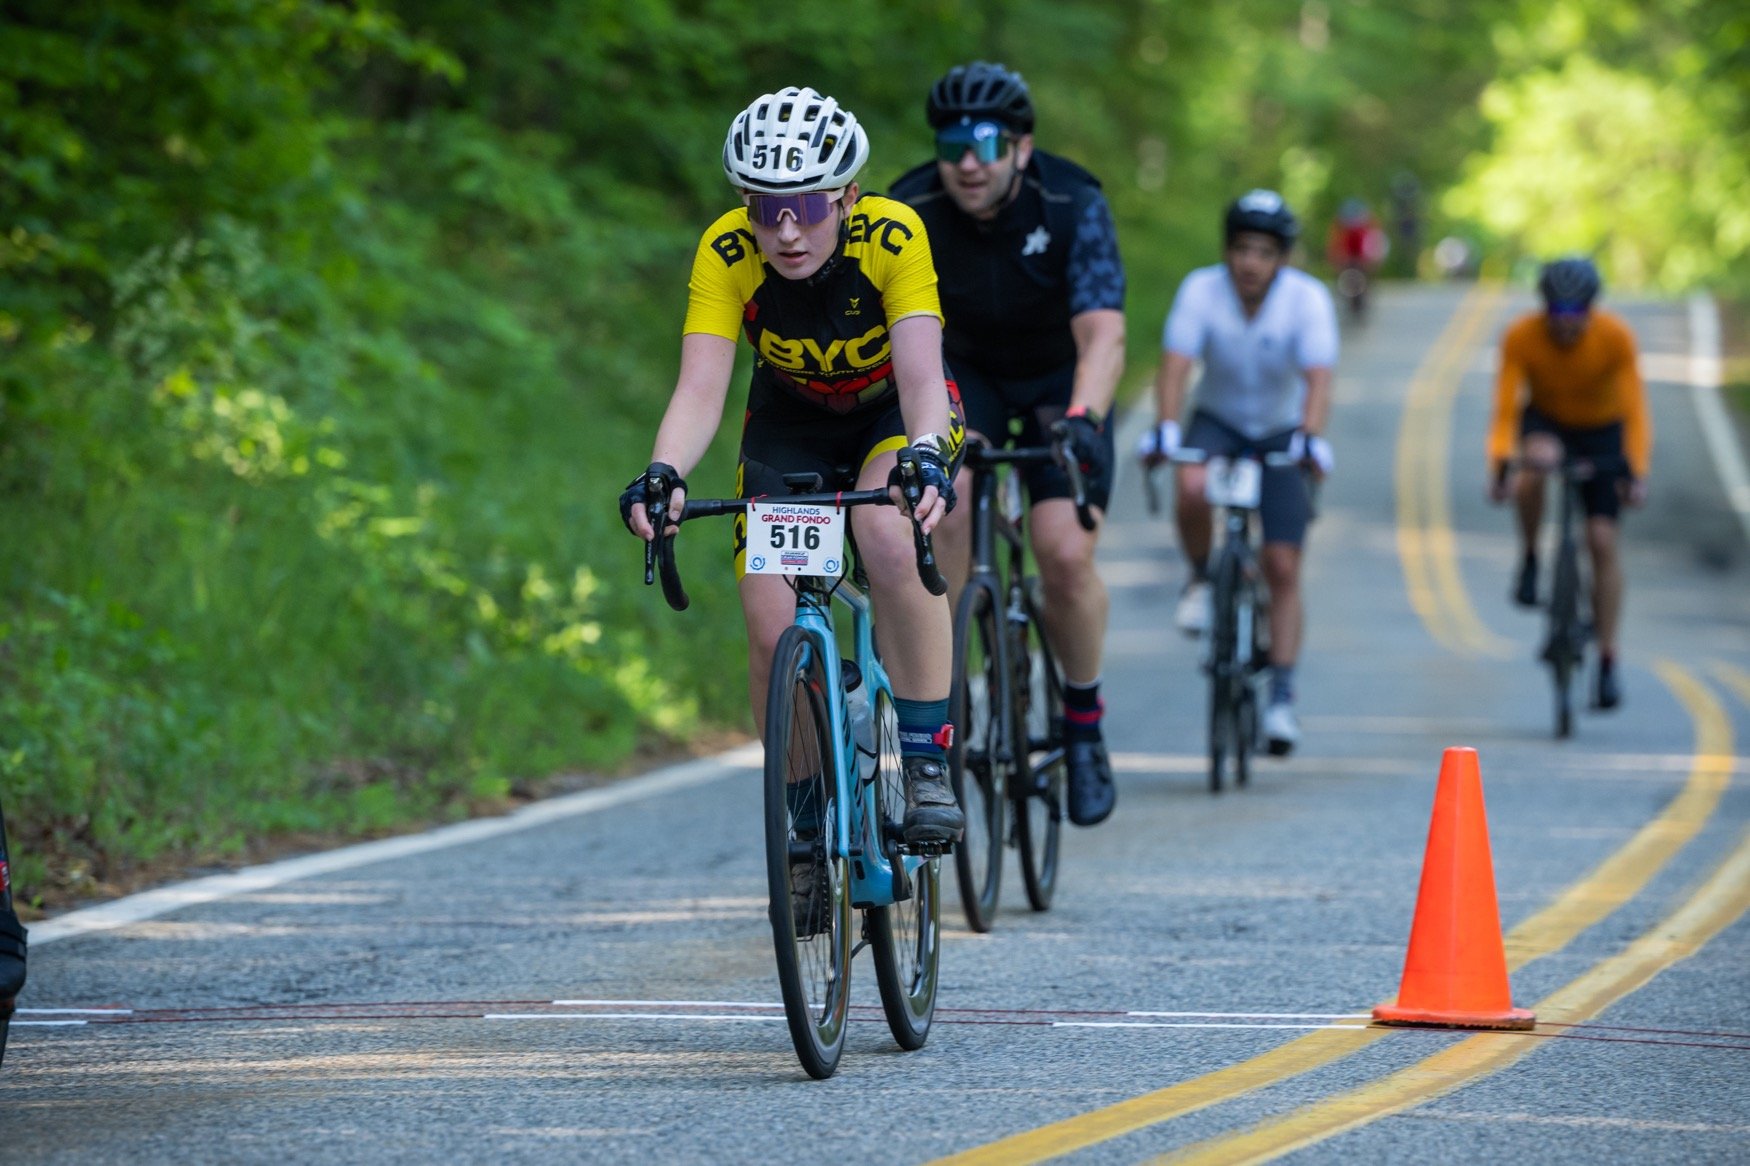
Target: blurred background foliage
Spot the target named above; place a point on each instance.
(330, 330)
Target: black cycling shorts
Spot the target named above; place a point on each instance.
(1019, 412)
(1285, 501)
(1600, 495)
(784, 438)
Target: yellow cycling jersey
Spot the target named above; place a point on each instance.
(823, 340)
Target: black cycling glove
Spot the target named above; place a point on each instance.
(1093, 453)
(932, 471)
(637, 492)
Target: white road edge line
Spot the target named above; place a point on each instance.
(572, 1016)
(74, 1012)
(663, 1004)
(49, 1023)
(1189, 1024)
(1716, 424)
(149, 904)
(1259, 1015)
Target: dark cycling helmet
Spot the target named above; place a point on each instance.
(979, 91)
(1265, 212)
(1571, 282)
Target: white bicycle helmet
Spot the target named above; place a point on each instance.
(793, 141)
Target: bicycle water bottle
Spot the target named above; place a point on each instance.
(862, 718)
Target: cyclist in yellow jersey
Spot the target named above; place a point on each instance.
(837, 295)
(1569, 384)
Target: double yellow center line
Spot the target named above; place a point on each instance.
(1614, 882)
(1426, 546)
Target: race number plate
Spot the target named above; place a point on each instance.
(1234, 482)
(785, 539)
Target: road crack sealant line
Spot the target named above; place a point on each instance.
(151, 904)
(1612, 883)
(718, 1011)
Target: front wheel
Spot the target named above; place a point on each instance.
(905, 938)
(1226, 670)
(805, 865)
(983, 754)
(1038, 785)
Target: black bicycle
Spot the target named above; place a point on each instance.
(1569, 626)
(834, 782)
(11, 944)
(1239, 624)
(1008, 759)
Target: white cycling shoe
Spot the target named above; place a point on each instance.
(1192, 615)
(1281, 728)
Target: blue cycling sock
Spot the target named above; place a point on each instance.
(1281, 684)
(923, 728)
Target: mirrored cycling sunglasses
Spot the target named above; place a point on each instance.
(809, 208)
(986, 139)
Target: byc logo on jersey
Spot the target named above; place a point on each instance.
(882, 231)
(853, 310)
(806, 355)
(730, 246)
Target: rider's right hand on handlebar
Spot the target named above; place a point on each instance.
(661, 482)
(1159, 443)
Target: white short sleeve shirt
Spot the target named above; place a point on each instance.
(1254, 370)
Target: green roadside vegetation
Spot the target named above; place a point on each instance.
(330, 331)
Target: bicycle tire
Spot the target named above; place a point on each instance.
(813, 969)
(1566, 649)
(905, 938)
(1038, 788)
(981, 760)
(1223, 664)
(1245, 692)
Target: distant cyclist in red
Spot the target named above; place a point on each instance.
(1355, 247)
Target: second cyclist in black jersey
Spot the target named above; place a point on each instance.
(1033, 289)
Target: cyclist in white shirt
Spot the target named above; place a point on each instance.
(1267, 336)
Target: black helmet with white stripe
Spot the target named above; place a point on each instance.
(981, 91)
(1262, 211)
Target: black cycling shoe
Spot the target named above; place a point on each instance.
(1525, 587)
(931, 813)
(1092, 793)
(810, 898)
(1607, 695)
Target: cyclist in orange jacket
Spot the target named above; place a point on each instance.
(1569, 385)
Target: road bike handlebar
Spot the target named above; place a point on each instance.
(1275, 459)
(981, 453)
(659, 552)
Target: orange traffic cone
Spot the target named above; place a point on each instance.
(1455, 974)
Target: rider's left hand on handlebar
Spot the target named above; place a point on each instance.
(1314, 450)
(938, 497)
(1159, 443)
(636, 498)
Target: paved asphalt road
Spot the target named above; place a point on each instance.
(402, 1010)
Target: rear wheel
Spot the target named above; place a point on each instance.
(805, 869)
(982, 757)
(905, 938)
(1037, 788)
(1566, 648)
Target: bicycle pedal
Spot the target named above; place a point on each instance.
(929, 849)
